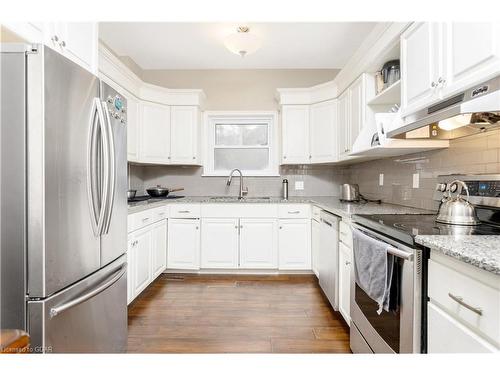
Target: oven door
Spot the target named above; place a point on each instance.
(399, 329)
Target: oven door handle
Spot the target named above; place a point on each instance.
(400, 253)
(399, 249)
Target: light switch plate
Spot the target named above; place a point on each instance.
(299, 185)
(416, 180)
(381, 179)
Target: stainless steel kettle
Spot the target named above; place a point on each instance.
(457, 210)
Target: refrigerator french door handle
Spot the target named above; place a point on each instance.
(91, 175)
(84, 297)
(112, 170)
(104, 167)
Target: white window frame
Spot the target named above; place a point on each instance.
(211, 118)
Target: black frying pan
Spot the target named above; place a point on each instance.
(159, 191)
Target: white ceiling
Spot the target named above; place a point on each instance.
(201, 45)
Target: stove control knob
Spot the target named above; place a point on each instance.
(441, 187)
(453, 187)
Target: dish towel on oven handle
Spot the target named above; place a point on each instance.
(373, 267)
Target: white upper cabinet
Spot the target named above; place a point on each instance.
(472, 52)
(184, 124)
(219, 243)
(76, 40)
(356, 110)
(294, 244)
(420, 65)
(323, 132)
(183, 249)
(258, 243)
(154, 133)
(295, 134)
(343, 124)
(441, 59)
(133, 121)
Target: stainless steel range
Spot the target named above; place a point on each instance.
(402, 329)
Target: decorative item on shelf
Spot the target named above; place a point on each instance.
(390, 73)
(242, 42)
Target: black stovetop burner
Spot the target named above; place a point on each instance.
(406, 227)
(142, 198)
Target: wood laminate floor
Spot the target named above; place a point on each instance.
(235, 314)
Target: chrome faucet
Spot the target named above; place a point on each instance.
(242, 190)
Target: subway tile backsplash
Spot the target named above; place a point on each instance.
(474, 154)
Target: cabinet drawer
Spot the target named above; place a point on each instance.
(160, 213)
(447, 335)
(453, 290)
(140, 219)
(345, 234)
(316, 213)
(294, 211)
(185, 211)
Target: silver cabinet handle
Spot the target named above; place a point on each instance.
(194, 157)
(433, 84)
(294, 212)
(63, 43)
(347, 263)
(284, 156)
(145, 219)
(55, 38)
(184, 211)
(460, 300)
(281, 227)
(441, 81)
(65, 306)
(197, 227)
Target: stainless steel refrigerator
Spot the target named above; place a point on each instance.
(63, 203)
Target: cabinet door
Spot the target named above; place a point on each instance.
(132, 128)
(78, 41)
(183, 249)
(420, 65)
(142, 259)
(356, 111)
(323, 132)
(315, 233)
(219, 243)
(184, 134)
(472, 53)
(294, 244)
(345, 260)
(154, 133)
(343, 124)
(295, 134)
(446, 335)
(258, 243)
(130, 268)
(159, 257)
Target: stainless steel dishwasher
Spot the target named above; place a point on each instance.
(328, 257)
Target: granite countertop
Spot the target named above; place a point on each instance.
(479, 251)
(331, 204)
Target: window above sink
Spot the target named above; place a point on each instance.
(243, 140)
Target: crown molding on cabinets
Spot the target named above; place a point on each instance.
(310, 95)
(112, 68)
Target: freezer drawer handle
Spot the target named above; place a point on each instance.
(59, 309)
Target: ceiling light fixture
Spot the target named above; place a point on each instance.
(242, 42)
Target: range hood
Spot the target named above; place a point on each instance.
(472, 111)
(373, 143)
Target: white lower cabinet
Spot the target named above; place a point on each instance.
(258, 243)
(345, 260)
(294, 241)
(159, 253)
(219, 243)
(146, 257)
(315, 233)
(447, 335)
(183, 244)
(140, 251)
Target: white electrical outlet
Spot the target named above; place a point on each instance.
(381, 179)
(299, 185)
(416, 180)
